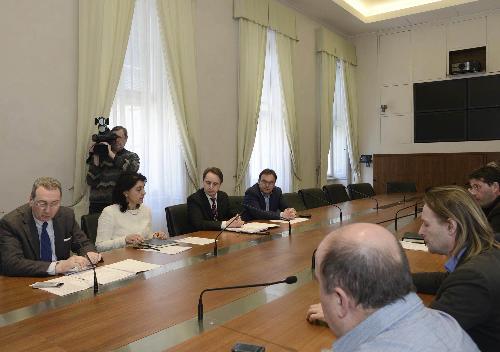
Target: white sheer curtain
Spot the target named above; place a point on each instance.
(337, 156)
(143, 104)
(271, 149)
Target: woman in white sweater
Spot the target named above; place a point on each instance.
(127, 221)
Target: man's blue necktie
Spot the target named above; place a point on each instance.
(266, 199)
(45, 245)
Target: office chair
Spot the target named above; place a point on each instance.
(360, 190)
(294, 200)
(177, 220)
(89, 225)
(401, 187)
(313, 198)
(336, 193)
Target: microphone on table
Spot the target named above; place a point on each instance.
(96, 284)
(224, 229)
(397, 212)
(366, 196)
(328, 202)
(289, 280)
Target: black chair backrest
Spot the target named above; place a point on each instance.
(313, 198)
(177, 220)
(336, 193)
(360, 190)
(236, 204)
(401, 187)
(294, 200)
(89, 225)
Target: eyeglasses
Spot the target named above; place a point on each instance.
(475, 187)
(266, 183)
(44, 205)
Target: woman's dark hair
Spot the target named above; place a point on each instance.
(125, 182)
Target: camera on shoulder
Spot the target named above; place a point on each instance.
(103, 135)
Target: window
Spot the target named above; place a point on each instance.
(271, 149)
(143, 104)
(337, 156)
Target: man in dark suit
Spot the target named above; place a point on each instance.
(454, 225)
(485, 188)
(265, 201)
(36, 238)
(208, 208)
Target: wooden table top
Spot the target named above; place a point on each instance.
(139, 308)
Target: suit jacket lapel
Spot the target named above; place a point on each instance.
(31, 232)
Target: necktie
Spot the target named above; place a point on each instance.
(214, 209)
(45, 245)
(266, 199)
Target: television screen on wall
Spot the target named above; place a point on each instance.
(440, 96)
(441, 126)
(484, 92)
(484, 124)
(457, 110)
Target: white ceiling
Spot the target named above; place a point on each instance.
(336, 17)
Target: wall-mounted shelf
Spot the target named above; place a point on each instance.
(467, 55)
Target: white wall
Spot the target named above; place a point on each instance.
(389, 64)
(38, 85)
(38, 93)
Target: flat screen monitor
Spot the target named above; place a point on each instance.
(484, 124)
(484, 92)
(440, 96)
(440, 126)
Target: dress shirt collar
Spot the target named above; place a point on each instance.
(39, 223)
(210, 198)
(451, 264)
(377, 322)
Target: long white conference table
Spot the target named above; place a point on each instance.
(157, 310)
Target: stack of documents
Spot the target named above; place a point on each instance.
(105, 275)
(252, 227)
(414, 246)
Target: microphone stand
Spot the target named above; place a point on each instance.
(329, 203)
(96, 283)
(397, 212)
(289, 280)
(224, 229)
(366, 196)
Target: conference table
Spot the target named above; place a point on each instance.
(157, 310)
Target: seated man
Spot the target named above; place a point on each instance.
(36, 238)
(367, 299)
(265, 201)
(485, 188)
(454, 225)
(208, 208)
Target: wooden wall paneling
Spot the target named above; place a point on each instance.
(459, 166)
(427, 169)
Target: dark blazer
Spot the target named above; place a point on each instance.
(200, 210)
(20, 244)
(470, 294)
(255, 205)
(493, 215)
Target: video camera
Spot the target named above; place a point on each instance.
(104, 134)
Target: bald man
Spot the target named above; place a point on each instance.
(367, 299)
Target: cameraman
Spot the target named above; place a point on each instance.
(105, 170)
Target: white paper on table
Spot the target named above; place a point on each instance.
(132, 266)
(252, 227)
(105, 275)
(167, 249)
(70, 285)
(196, 240)
(414, 246)
(294, 221)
